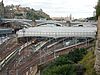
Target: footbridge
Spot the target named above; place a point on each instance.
(57, 32)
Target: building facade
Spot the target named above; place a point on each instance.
(9, 12)
(1, 9)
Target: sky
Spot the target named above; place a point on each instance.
(59, 8)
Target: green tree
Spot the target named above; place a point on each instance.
(68, 69)
(34, 15)
(98, 9)
(65, 64)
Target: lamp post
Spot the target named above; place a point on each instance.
(1, 39)
(40, 56)
(23, 32)
(54, 50)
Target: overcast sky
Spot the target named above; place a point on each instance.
(78, 8)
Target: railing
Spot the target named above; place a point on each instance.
(58, 34)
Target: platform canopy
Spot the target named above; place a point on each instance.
(58, 32)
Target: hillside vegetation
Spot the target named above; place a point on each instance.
(78, 62)
(88, 62)
(36, 15)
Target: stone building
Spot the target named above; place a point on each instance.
(9, 11)
(1, 9)
(12, 11)
(20, 12)
(6, 12)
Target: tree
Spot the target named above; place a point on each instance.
(36, 15)
(98, 9)
(66, 64)
(68, 69)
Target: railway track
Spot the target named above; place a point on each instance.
(40, 57)
(50, 56)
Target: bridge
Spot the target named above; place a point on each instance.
(66, 23)
(21, 22)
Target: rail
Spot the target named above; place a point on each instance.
(7, 59)
(41, 45)
(50, 56)
(12, 54)
(60, 50)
